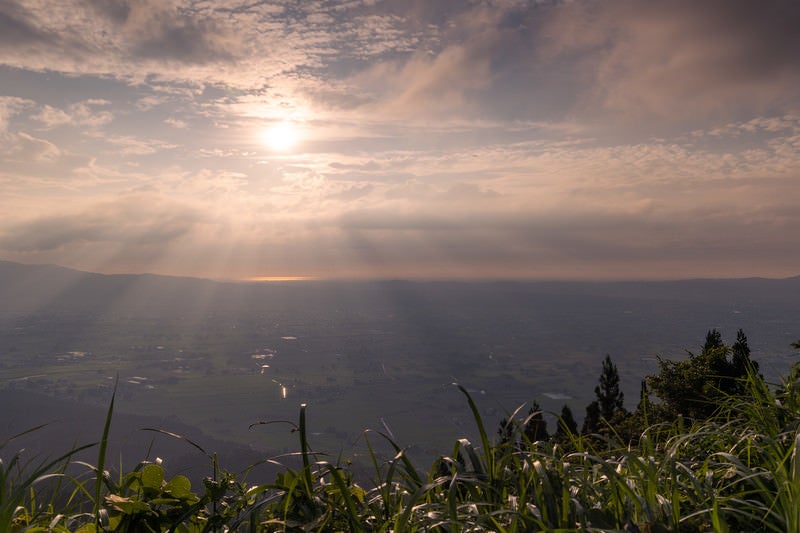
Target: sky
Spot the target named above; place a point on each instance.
(580, 139)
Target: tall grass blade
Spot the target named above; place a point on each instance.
(101, 456)
(179, 437)
(305, 452)
(486, 445)
(350, 504)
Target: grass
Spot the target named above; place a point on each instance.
(737, 471)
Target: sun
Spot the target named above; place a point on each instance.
(280, 137)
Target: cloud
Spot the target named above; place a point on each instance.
(89, 113)
(117, 11)
(446, 77)
(679, 59)
(39, 34)
(256, 46)
(132, 221)
(33, 149)
(462, 136)
(29, 159)
(352, 192)
(430, 87)
(18, 27)
(133, 40)
(580, 239)
(176, 123)
(512, 60)
(136, 146)
(586, 224)
(174, 32)
(9, 107)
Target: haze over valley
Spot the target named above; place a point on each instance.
(381, 355)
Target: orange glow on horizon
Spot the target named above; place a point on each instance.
(281, 278)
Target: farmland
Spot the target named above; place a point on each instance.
(379, 355)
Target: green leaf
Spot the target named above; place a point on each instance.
(126, 505)
(164, 501)
(152, 477)
(101, 457)
(179, 487)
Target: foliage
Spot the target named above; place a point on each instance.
(609, 406)
(567, 426)
(610, 398)
(535, 424)
(592, 420)
(696, 387)
(20, 504)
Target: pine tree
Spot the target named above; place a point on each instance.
(591, 422)
(506, 431)
(645, 407)
(567, 426)
(713, 341)
(610, 398)
(740, 358)
(535, 424)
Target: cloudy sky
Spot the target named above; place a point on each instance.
(402, 138)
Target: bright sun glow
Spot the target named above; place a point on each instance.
(280, 137)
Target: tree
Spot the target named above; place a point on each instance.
(610, 398)
(535, 424)
(644, 399)
(506, 431)
(740, 359)
(591, 422)
(713, 341)
(567, 426)
(533, 429)
(698, 386)
(629, 427)
(609, 402)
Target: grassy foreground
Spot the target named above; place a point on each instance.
(736, 471)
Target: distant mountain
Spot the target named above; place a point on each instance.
(28, 288)
(50, 288)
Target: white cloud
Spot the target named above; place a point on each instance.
(131, 145)
(89, 113)
(176, 123)
(9, 107)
